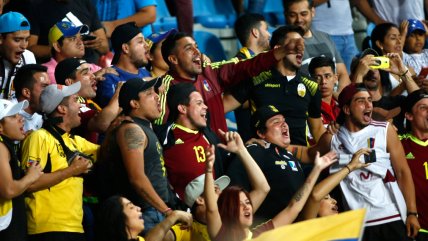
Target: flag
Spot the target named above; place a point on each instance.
(347, 226)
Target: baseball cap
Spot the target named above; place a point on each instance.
(122, 34)
(53, 94)
(12, 22)
(155, 38)
(65, 29)
(348, 92)
(8, 108)
(130, 90)
(413, 98)
(263, 114)
(195, 188)
(414, 25)
(65, 68)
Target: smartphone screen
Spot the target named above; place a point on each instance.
(371, 157)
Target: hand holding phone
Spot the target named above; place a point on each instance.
(371, 157)
(382, 62)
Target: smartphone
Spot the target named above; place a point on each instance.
(382, 62)
(424, 72)
(370, 157)
(88, 37)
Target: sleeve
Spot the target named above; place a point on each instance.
(35, 148)
(106, 89)
(241, 92)
(314, 109)
(95, 23)
(139, 4)
(87, 147)
(233, 71)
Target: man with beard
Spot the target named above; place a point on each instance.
(64, 158)
(14, 34)
(131, 160)
(384, 107)
(210, 79)
(94, 120)
(252, 31)
(300, 13)
(296, 96)
(385, 188)
(130, 57)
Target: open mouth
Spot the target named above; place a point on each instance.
(367, 116)
(335, 209)
(197, 61)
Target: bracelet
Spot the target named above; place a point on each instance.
(413, 213)
(166, 210)
(404, 74)
(349, 169)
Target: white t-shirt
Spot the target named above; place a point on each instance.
(396, 11)
(7, 74)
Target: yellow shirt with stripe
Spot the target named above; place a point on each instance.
(57, 208)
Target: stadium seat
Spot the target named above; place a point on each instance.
(274, 12)
(214, 13)
(164, 20)
(210, 45)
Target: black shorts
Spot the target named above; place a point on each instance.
(389, 231)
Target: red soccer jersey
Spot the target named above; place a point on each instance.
(186, 159)
(416, 152)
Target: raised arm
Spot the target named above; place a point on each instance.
(290, 213)
(212, 214)
(132, 141)
(404, 179)
(259, 185)
(159, 232)
(323, 188)
(10, 188)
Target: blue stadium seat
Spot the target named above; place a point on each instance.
(214, 13)
(210, 45)
(164, 20)
(274, 12)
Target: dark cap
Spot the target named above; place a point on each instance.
(412, 99)
(122, 34)
(263, 114)
(130, 90)
(65, 69)
(414, 25)
(348, 92)
(177, 95)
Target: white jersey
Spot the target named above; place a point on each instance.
(365, 188)
(8, 72)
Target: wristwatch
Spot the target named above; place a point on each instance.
(413, 213)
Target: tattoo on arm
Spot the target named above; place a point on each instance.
(133, 137)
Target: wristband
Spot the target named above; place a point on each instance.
(166, 210)
(404, 74)
(413, 213)
(349, 169)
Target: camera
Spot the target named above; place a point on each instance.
(78, 153)
(382, 62)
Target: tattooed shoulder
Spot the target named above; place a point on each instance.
(134, 137)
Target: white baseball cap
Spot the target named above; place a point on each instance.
(195, 188)
(8, 108)
(53, 94)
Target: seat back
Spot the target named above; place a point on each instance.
(210, 45)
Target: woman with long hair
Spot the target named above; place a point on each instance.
(231, 217)
(118, 219)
